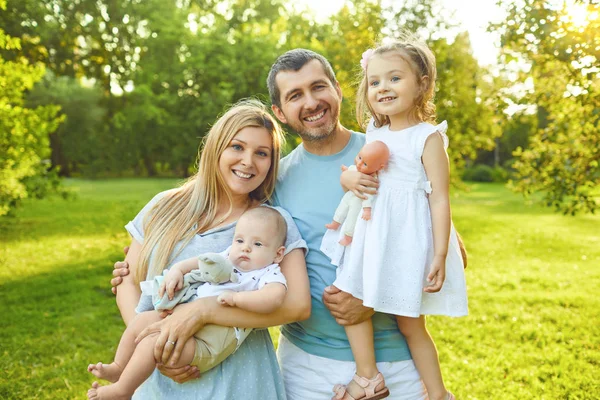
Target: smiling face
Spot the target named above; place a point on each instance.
(310, 102)
(392, 87)
(257, 242)
(246, 161)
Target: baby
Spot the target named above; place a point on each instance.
(257, 285)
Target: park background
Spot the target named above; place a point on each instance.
(104, 103)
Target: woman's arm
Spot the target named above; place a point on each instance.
(435, 161)
(189, 318)
(129, 292)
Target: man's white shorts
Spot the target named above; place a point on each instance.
(310, 377)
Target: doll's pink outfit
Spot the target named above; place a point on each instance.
(388, 261)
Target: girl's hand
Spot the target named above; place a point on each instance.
(174, 331)
(437, 275)
(358, 183)
(227, 298)
(173, 282)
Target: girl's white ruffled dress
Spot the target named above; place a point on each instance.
(388, 261)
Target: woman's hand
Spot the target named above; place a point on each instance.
(437, 275)
(174, 331)
(345, 308)
(179, 375)
(358, 183)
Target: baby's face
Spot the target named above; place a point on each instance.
(255, 244)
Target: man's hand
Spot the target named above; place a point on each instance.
(345, 308)
(179, 375)
(358, 183)
(120, 269)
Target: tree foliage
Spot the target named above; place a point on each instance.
(76, 144)
(24, 132)
(563, 51)
(162, 71)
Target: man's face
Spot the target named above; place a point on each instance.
(310, 103)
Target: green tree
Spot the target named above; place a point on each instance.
(563, 52)
(466, 100)
(354, 29)
(76, 145)
(24, 132)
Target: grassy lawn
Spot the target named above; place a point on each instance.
(533, 331)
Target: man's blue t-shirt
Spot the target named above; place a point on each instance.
(308, 187)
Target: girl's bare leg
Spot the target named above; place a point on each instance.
(424, 354)
(138, 369)
(361, 341)
(111, 372)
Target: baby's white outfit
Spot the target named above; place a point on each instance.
(388, 261)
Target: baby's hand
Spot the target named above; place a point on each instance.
(358, 183)
(227, 298)
(173, 281)
(437, 275)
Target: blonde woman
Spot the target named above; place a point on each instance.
(237, 171)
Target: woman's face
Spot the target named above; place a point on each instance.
(246, 161)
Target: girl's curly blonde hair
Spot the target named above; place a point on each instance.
(422, 62)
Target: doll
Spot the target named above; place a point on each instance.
(370, 159)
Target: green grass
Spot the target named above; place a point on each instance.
(533, 330)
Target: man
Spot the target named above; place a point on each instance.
(315, 354)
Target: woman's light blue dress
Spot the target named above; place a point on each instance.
(252, 371)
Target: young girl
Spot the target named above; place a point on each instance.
(400, 258)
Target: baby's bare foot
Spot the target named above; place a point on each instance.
(109, 372)
(112, 392)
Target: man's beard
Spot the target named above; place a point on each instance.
(321, 134)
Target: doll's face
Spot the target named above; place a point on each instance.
(371, 159)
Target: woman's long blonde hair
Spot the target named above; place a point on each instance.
(192, 208)
(422, 62)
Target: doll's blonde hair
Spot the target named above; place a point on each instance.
(422, 62)
(192, 208)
